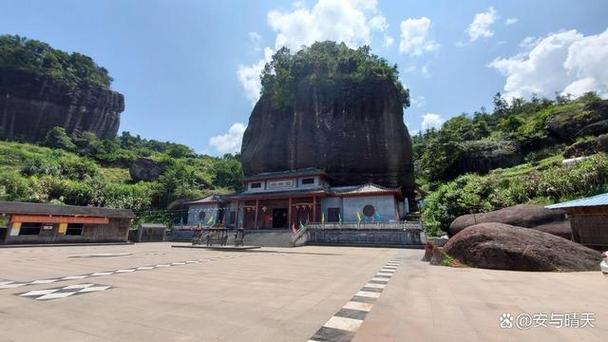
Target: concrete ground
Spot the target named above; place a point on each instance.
(274, 294)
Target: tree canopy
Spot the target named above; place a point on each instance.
(73, 69)
(325, 61)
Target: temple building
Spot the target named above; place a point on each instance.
(290, 199)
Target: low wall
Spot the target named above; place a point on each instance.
(377, 237)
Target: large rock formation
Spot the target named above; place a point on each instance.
(535, 217)
(354, 131)
(481, 156)
(505, 247)
(31, 105)
(592, 119)
(144, 169)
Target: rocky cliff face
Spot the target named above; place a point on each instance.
(31, 105)
(354, 131)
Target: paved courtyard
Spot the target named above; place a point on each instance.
(152, 292)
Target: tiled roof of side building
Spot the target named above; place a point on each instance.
(27, 208)
(594, 201)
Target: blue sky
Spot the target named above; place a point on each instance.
(188, 68)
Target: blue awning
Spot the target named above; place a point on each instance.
(594, 201)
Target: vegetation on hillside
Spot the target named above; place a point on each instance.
(324, 62)
(516, 129)
(85, 170)
(544, 182)
(73, 69)
(518, 125)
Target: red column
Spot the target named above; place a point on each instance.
(236, 220)
(289, 213)
(255, 225)
(314, 208)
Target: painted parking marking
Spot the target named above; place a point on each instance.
(343, 325)
(63, 292)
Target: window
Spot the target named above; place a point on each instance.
(333, 214)
(369, 210)
(30, 228)
(308, 181)
(257, 185)
(74, 229)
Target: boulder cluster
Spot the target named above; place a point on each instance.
(519, 238)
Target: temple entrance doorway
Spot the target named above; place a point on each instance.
(279, 218)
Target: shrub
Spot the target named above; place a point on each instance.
(549, 182)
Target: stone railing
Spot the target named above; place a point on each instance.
(369, 225)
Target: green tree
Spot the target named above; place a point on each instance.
(58, 138)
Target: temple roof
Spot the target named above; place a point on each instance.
(364, 189)
(311, 171)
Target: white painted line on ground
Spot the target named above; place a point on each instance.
(358, 306)
(44, 281)
(384, 274)
(368, 294)
(94, 289)
(375, 286)
(79, 286)
(384, 280)
(55, 295)
(36, 293)
(74, 277)
(343, 323)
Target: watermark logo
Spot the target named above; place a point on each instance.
(525, 321)
(506, 321)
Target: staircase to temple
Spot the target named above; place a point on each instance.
(266, 238)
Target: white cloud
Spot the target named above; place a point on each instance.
(415, 37)
(249, 76)
(511, 21)
(388, 41)
(481, 27)
(431, 120)
(231, 141)
(418, 101)
(566, 62)
(350, 21)
(378, 22)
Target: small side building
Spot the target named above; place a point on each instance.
(38, 223)
(589, 220)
